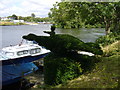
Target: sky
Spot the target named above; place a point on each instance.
(40, 8)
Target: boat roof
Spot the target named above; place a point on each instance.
(20, 47)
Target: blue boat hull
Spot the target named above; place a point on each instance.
(14, 72)
(23, 59)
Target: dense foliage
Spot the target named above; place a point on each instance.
(63, 44)
(108, 39)
(64, 62)
(60, 69)
(87, 14)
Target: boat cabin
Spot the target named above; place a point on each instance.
(21, 51)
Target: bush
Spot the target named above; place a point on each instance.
(60, 69)
(87, 62)
(94, 48)
(108, 39)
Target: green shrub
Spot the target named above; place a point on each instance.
(108, 39)
(87, 62)
(60, 69)
(94, 48)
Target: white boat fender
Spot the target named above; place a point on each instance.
(86, 53)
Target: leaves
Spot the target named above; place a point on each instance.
(82, 14)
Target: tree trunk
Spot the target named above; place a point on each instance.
(107, 23)
(107, 28)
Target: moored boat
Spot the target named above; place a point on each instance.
(15, 72)
(22, 53)
(17, 61)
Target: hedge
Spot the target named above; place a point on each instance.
(60, 69)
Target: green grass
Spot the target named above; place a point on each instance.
(112, 49)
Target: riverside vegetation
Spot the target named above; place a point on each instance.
(93, 14)
(87, 14)
(64, 62)
(64, 67)
(105, 74)
(100, 71)
(31, 19)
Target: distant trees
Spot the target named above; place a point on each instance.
(13, 17)
(31, 18)
(85, 14)
(33, 15)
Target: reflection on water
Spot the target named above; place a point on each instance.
(12, 35)
(84, 34)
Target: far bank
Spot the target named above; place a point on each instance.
(11, 23)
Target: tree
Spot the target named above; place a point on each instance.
(116, 25)
(77, 14)
(65, 14)
(103, 11)
(106, 12)
(33, 15)
(13, 17)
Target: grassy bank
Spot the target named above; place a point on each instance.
(105, 75)
(10, 23)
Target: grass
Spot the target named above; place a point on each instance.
(105, 75)
(112, 49)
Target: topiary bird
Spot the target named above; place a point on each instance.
(62, 44)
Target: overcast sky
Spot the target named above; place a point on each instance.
(25, 7)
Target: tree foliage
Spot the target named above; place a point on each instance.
(82, 14)
(64, 63)
(33, 15)
(13, 17)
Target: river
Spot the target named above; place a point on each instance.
(12, 35)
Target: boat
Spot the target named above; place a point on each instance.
(15, 72)
(17, 61)
(22, 53)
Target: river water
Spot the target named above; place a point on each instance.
(12, 35)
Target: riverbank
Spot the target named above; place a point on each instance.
(105, 75)
(20, 23)
(11, 23)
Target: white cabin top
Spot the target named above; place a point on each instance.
(20, 47)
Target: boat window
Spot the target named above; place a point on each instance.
(38, 50)
(25, 52)
(9, 53)
(34, 51)
(2, 52)
(22, 52)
